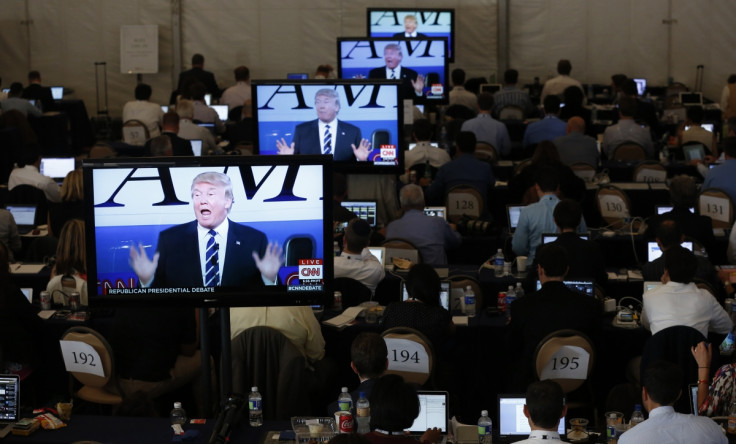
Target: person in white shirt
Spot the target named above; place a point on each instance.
(458, 94)
(424, 151)
(557, 85)
(356, 261)
(149, 113)
(662, 382)
(545, 405)
(237, 94)
(190, 130)
(26, 173)
(680, 302)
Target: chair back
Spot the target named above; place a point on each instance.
(613, 204)
(28, 194)
(584, 170)
(628, 151)
(353, 292)
(401, 248)
(485, 152)
(650, 171)
(521, 165)
(463, 200)
(716, 204)
(410, 355)
(458, 283)
(566, 357)
(511, 112)
(135, 132)
(100, 389)
(298, 247)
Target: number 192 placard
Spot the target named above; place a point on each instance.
(81, 357)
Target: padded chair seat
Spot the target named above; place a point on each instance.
(99, 395)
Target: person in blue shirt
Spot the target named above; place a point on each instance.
(722, 175)
(550, 127)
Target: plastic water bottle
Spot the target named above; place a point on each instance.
(485, 426)
(469, 301)
(363, 414)
(498, 264)
(519, 290)
(637, 417)
(510, 297)
(178, 415)
(345, 401)
(255, 407)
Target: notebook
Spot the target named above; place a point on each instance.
(436, 211)
(654, 252)
(378, 252)
(434, 409)
(24, 216)
(56, 167)
(165, 108)
(222, 111)
(365, 210)
(512, 424)
(512, 213)
(9, 402)
(196, 146)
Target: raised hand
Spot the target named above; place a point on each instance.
(271, 261)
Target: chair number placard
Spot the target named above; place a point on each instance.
(463, 203)
(406, 356)
(714, 207)
(570, 362)
(81, 357)
(613, 206)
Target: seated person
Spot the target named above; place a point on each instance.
(552, 308)
(356, 261)
(70, 270)
(26, 173)
(9, 236)
(190, 130)
(662, 383)
(148, 113)
(430, 234)
(202, 112)
(679, 301)
(550, 127)
(369, 360)
(394, 407)
(422, 311)
(16, 102)
(71, 205)
(696, 133)
(170, 129)
(545, 405)
(627, 130)
(424, 152)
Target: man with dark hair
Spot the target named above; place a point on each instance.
(486, 128)
(16, 102)
(556, 85)
(203, 113)
(170, 129)
(627, 130)
(537, 218)
(661, 387)
(679, 301)
(198, 74)
(575, 146)
(693, 131)
(39, 93)
(369, 360)
(26, 173)
(586, 260)
(645, 112)
(544, 407)
(552, 308)
(722, 176)
(465, 169)
(148, 113)
(458, 94)
(237, 94)
(356, 261)
(424, 151)
(511, 95)
(550, 127)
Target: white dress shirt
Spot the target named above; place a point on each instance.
(683, 304)
(423, 152)
(396, 71)
(364, 268)
(667, 426)
(147, 112)
(541, 437)
(29, 175)
(236, 95)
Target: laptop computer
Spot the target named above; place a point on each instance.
(693, 152)
(583, 286)
(641, 86)
(379, 253)
(654, 252)
(9, 403)
(28, 293)
(551, 237)
(56, 167)
(196, 146)
(512, 424)
(512, 214)
(434, 409)
(436, 211)
(444, 294)
(651, 285)
(661, 209)
(24, 216)
(691, 98)
(222, 111)
(365, 210)
(165, 108)
(57, 92)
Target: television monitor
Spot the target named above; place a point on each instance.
(369, 110)
(365, 210)
(297, 76)
(148, 207)
(390, 22)
(363, 57)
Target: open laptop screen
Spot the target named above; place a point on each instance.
(9, 398)
(513, 212)
(433, 412)
(654, 252)
(56, 167)
(585, 287)
(24, 215)
(196, 146)
(511, 420)
(378, 252)
(57, 92)
(444, 294)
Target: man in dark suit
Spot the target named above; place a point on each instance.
(410, 29)
(327, 134)
(412, 84)
(36, 91)
(210, 251)
(198, 74)
(554, 307)
(586, 259)
(170, 129)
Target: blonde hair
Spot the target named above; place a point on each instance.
(72, 188)
(71, 255)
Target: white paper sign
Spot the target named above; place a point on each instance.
(613, 206)
(570, 362)
(463, 203)
(406, 356)
(715, 207)
(81, 357)
(139, 49)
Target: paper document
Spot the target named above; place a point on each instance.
(345, 318)
(26, 268)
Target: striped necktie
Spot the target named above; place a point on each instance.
(393, 74)
(328, 140)
(212, 273)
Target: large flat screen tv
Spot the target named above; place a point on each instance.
(395, 22)
(421, 65)
(148, 222)
(365, 118)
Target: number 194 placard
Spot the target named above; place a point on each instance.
(81, 357)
